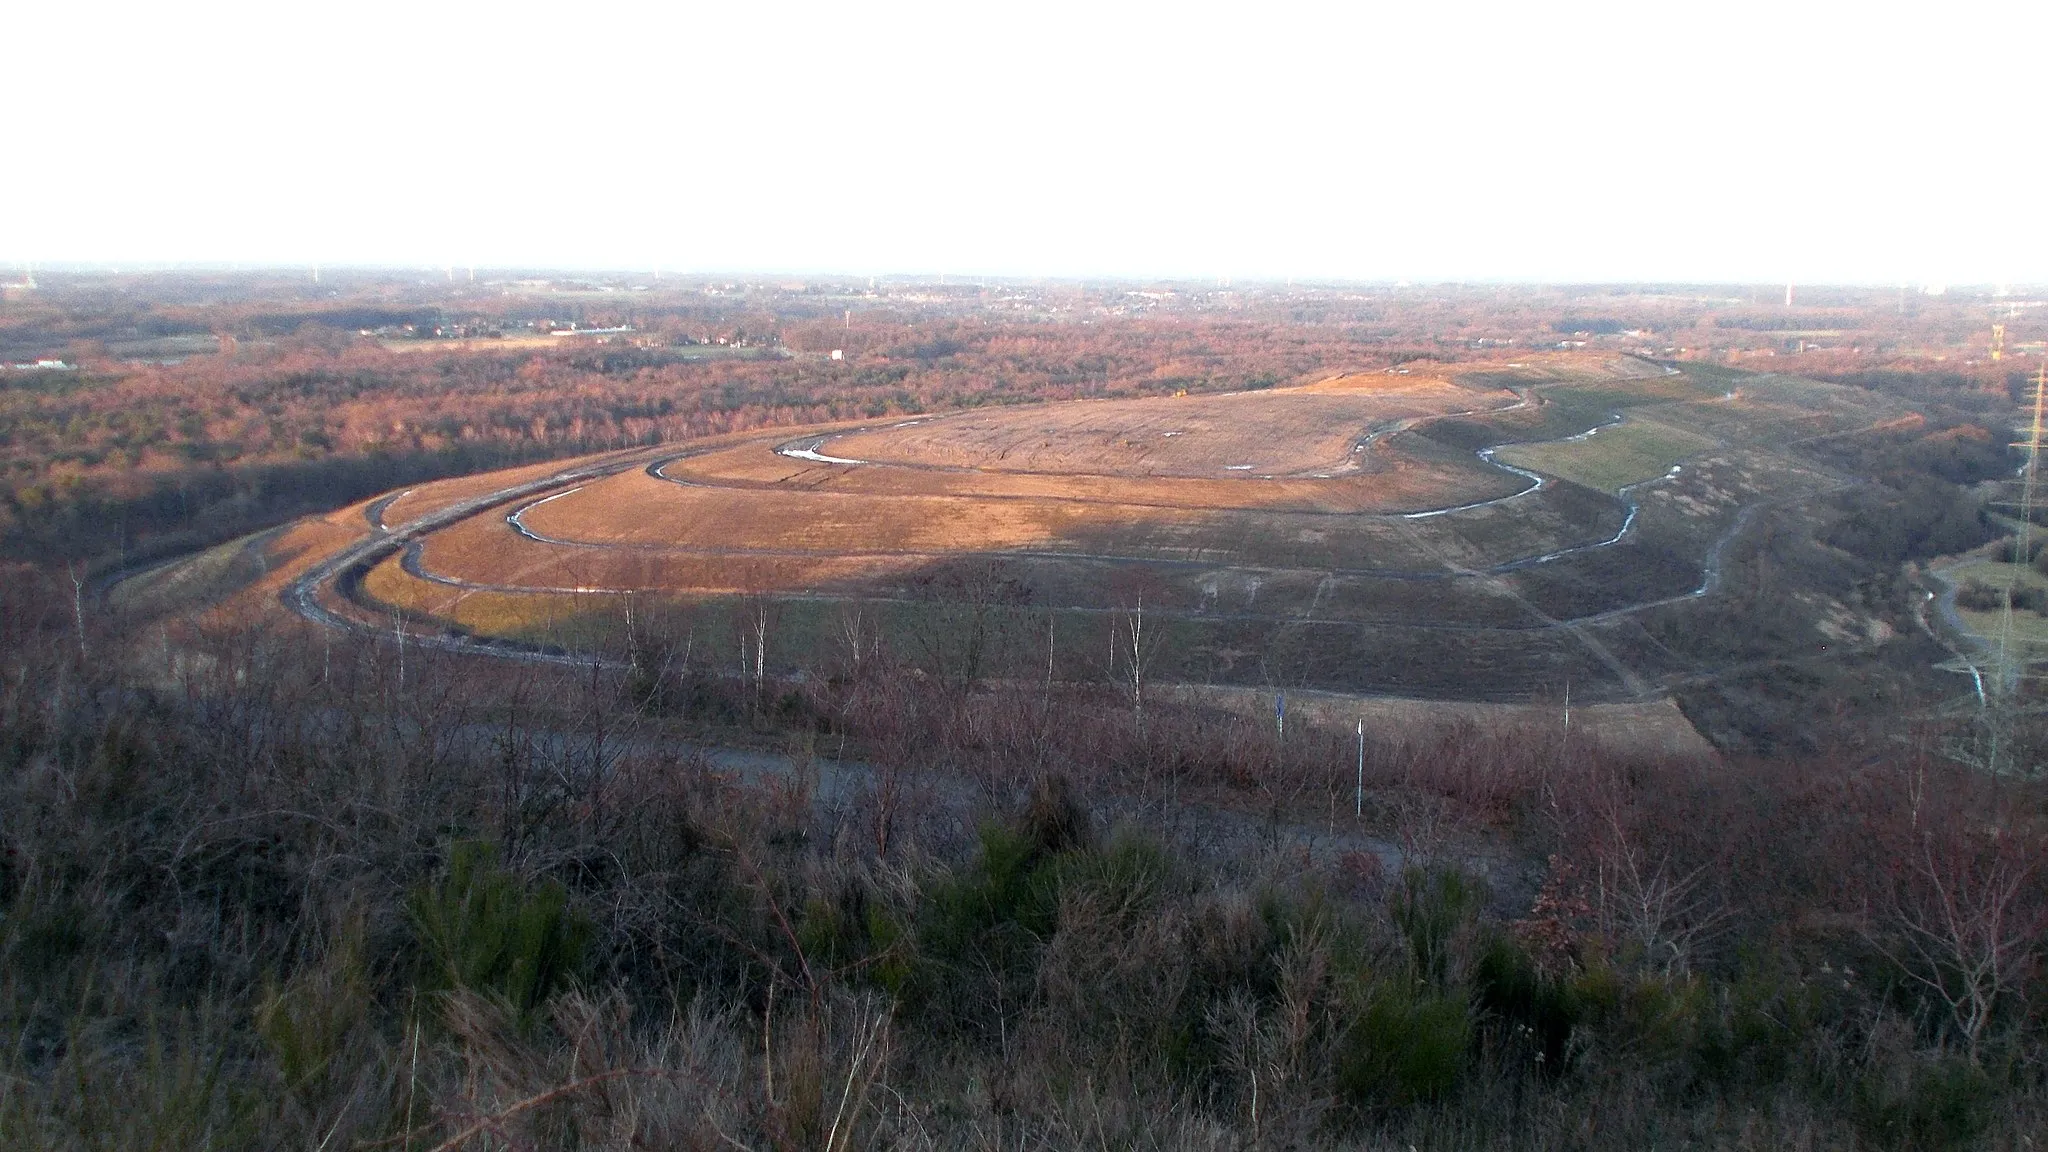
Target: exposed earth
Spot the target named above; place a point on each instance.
(1509, 533)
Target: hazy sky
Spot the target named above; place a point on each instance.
(1421, 140)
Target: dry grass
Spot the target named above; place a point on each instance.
(427, 499)
(1611, 458)
(2027, 627)
(1390, 476)
(541, 617)
(240, 577)
(762, 520)
(475, 554)
(1656, 728)
(1229, 558)
(627, 523)
(501, 344)
(1167, 933)
(1282, 432)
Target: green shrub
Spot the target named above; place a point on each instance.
(1658, 1021)
(979, 931)
(1690, 1030)
(1931, 1102)
(1755, 1033)
(821, 932)
(1129, 876)
(1433, 908)
(483, 930)
(45, 933)
(308, 1021)
(1407, 1046)
(890, 951)
(1508, 986)
(997, 889)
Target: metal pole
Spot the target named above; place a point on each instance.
(1280, 728)
(1358, 801)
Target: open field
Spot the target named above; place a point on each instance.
(1487, 534)
(1396, 472)
(530, 342)
(1611, 458)
(2028, 626)
(235, 576)
(1655, 728)
(1316, 430)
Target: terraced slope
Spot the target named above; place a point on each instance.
(1489, 533)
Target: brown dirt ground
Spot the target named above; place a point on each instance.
(1308, 431)
(1387, 478)
(1652, 728)
(636, 510)
(471, 551)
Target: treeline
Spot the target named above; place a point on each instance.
(1789, 321)
(1986, 388)
(348, 319)
(1979, 596)
(1919, 502)
(165, 513)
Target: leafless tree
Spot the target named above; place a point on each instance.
(753, 621)
(860, 637)
(1663, 912)
(1135, 649)
(78, 605)
(973, 608)
(1967, 923)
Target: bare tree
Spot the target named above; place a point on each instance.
(1134, 638)
(1648, 904)
(1135, 648)
(973, 608)
(1663, 912)
(753, 621)
(859, 637)
(78, 605)
(1967, 924)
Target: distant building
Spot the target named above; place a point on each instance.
(839, 353)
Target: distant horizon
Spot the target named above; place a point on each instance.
(500, 271)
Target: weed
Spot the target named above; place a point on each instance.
(484, 930)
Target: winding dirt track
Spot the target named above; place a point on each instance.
(329, 593)
(333, 575)
(515, 519)
(303, 594)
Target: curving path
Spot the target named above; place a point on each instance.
(413, 562)
(1626, 501)
(336, 574)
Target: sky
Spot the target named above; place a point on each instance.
(1424, 140)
